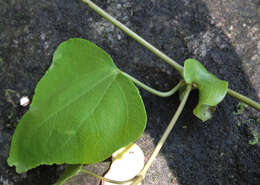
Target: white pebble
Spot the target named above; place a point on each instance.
(24, 101)
(118, 36)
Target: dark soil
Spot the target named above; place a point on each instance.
(224, 35)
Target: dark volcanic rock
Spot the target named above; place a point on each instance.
(224, 35)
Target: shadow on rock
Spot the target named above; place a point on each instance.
(216, 152)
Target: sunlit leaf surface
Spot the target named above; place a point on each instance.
(211, 89)
(83, 110)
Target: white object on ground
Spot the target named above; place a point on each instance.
(24, 101)
(127, 166)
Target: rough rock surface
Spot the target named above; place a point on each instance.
(223, 34)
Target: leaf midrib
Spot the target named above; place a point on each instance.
(73, 100)
(92, 111)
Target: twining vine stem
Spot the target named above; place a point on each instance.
(106, 179)
(132, 34)
(138, 178)
(244, 99)
(160, 54)
(166, 133)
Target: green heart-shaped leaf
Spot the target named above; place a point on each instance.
(83, 110)
(211, 89)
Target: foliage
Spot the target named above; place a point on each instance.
(211, 90)
(255, 139)
(83, 110)
(240, 108)
(70, 171)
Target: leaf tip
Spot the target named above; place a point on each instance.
(204, 112)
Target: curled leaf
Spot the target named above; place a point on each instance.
(211, 89)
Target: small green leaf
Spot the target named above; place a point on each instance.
(211, 89)
(240, 108)
(83, 110)
(69, 172)
(255, 139)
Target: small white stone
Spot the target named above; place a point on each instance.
(43, 36)
(24, 101)
(118, 36)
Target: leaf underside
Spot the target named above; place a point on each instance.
(83, 110)
(211, 89)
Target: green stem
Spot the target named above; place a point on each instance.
(106, 179)
(158, 53)
(154, 91)
(166, 133)
(136, 37)
(118, 156)
(244, 99)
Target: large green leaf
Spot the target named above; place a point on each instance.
(83, 110)
(211, 89)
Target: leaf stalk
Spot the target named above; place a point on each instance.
(159, 53)
(154, 91)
